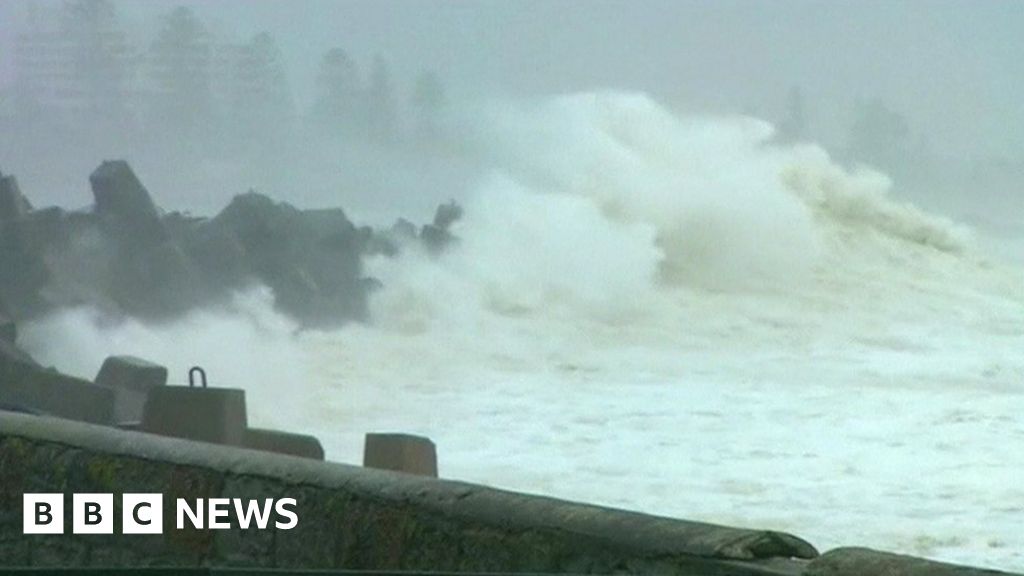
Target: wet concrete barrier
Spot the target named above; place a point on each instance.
(352, 518)
(349, 517)
(400, 453)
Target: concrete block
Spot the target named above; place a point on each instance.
(215, 415)
(128, 405)
(401, 453)
(131, 373)
(301, 445)
(50, 392)
(132, 378)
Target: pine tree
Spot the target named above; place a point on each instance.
(261, 99)
(338, 88)
(380, 109)
(96, 60)
(180, 61)
(429, 101)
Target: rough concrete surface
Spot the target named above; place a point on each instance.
(349, 517)
(357, 518)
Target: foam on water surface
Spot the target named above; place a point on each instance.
(667, 314)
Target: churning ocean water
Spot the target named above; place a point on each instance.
(668, 314)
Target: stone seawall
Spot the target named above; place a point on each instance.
(356, 518)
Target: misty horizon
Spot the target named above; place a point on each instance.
(732, 57)
(962, 123)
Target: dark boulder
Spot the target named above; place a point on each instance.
(391, 241)
(13, 205)
(125, 207)
(43, 230)
(447, 214)
(126, 256)
(219, 256)
(119, 192)
(437, 236)
(24, 272)
(310, 259)
(154, 281)
(266, 229)
(403, 229)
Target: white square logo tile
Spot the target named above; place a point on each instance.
(93, 514)
(43, 514)
(142, 514)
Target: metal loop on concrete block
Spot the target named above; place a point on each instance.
(192, 376)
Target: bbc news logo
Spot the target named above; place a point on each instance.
(144, 514)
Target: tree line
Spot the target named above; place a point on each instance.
(75, 68)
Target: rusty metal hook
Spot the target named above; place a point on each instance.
(192, 376)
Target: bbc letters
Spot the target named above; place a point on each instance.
(144, 513)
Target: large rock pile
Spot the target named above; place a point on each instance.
(23, 274)
(311, 259)
(126, 256)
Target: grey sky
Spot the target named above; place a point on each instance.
(956, 68)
